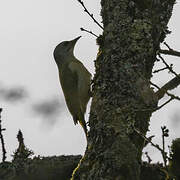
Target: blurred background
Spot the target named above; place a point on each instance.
(30, 92)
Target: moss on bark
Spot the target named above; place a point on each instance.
(122, 97)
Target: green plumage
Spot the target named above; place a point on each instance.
(75, 81)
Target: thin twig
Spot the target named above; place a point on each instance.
(155, 109)
(154, 145)
(155, 85)
(91, 15)
(90, 32)
(159, 107)
(170, 51)
(169, 67)
(148, 157)
(173, 96)
(158, 70)
(167, 46)
(165, 133)
(2, 139)
(163, 143)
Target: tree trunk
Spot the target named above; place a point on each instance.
(122, 97)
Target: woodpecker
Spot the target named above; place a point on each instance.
(74, 79)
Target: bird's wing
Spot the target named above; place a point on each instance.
(69, 85)
(79, 68)
(83, 80)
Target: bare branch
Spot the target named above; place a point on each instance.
(90, 32)
(168, 101)
(158, 70)
(167, 46)
(154, 145)
(170, 52)
(2, 140)
(173, 96)
(169, 67)
(91, 15)
(148, 157)
(165, 133)
(172, 84)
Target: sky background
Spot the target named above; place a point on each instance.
(30, 92)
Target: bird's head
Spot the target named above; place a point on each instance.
(64, 51)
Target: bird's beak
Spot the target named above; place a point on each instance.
(73, 42)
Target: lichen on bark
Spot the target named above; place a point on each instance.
(122, 97)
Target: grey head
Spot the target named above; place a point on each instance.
(64, 51)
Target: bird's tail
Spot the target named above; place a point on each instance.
(83, 123)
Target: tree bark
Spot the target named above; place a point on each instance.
(122, 97)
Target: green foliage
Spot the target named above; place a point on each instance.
(40, 168)
(152, 171)
(174, 164)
